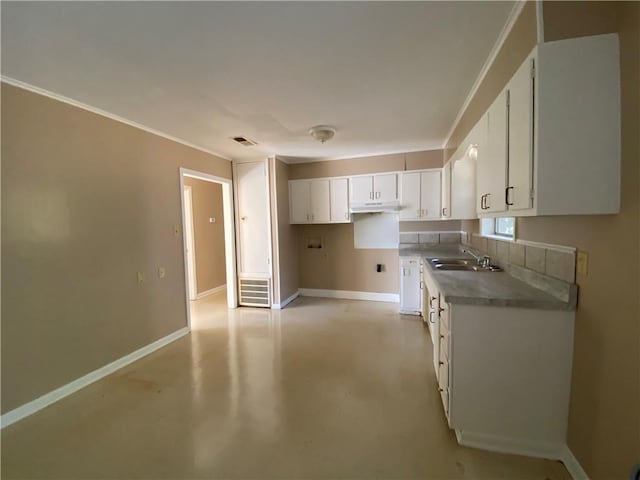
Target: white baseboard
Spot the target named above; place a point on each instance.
(211, 291)
(349, 295)
(281, 305)
(66, 390)
(517, 446)
(572, 464)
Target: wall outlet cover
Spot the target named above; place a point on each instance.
(582, 263)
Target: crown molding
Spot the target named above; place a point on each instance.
(504, 33)
(104, 113)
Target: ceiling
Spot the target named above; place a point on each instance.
(390, 76)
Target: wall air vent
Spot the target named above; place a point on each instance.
(244, 141)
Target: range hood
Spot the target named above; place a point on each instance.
(375, 207)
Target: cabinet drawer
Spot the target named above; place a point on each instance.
(444, 314)
(443, 374)
(444, 345)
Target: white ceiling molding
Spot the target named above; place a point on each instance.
(540, 21)
(103, 113)
(513, 16)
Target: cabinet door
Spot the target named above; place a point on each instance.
(430, 185)
(361, 189)
(446, 191)
(410, 291)
(339, 200)
(320, 205)
(253, 214)
(495, 161)
(385, 187)
(410, 196)
(521, 138)
(299, 195)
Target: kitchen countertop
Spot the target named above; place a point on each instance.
(484, 288)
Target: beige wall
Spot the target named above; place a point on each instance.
(287, 235)
(604, 421)
(341, 266)
(211, 270)
(604, 417)
(86, 203)
(519, 43)
(377, 164)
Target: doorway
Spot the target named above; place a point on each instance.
(208, 243)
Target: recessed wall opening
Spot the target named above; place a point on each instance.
(208, 243)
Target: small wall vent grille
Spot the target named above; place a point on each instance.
(254, 292)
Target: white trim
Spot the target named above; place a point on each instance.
(272, 163)
(211, 291)
(280, 306)
(190, 241)
(350, 295)
(229, 235)
(506, 30)
(517, 446)
(572, 465)
(540, 21)
(66, 390)
(104, 113)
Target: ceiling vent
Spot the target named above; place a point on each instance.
(244, 141)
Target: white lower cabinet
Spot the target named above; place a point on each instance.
(410, 285)
(508, 377)
(504, 375)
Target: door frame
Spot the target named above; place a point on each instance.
(229, 235)
(190, 243)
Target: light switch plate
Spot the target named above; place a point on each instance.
(140, 277)
(582, 263)
(161, 272)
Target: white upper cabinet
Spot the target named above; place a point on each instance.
(299, 201)
(492, 160)
(369, 189)
(421, 195)
(446, 191)
(410, 187)
(519, 194)
(340, 200)
(385, 187)
(361, 189)
(561, 130)
(320, 201)
(430, 196)
(309, 201)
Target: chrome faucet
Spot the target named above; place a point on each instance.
(485, 261)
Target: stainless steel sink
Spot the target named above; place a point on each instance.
(452, 261)
(451, 266)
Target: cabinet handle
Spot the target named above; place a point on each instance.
(421, 285)
(506, 195)
(430, 314)
(378, 195)
(442, 390)
(444, 212)
(440, 310)
(431, 299)
(482, 202)
(418, 213)
(441, 336)
(346, 215)
(425, 212)
(440, 363)
(486, 201)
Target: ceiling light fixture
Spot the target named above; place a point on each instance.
(322, 133)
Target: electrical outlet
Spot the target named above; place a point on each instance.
(161, 272)
(582, 263)
(140, 278)
(212, 220)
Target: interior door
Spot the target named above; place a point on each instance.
(361, 189)
(299, 195)
(496, 157)
(339, 200)
(320, 204)
(385, 187)
(430, 196)
(410, 186)
(521, 138)
(253, 215)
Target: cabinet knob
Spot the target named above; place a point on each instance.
(442, 390)
(442, 336)
(440, 363)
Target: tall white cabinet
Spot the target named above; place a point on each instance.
(253, 233)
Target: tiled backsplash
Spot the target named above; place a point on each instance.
(431, 238)
(555, 262)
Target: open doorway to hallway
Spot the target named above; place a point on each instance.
(208, 247)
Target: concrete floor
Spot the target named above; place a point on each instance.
(322, 389)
